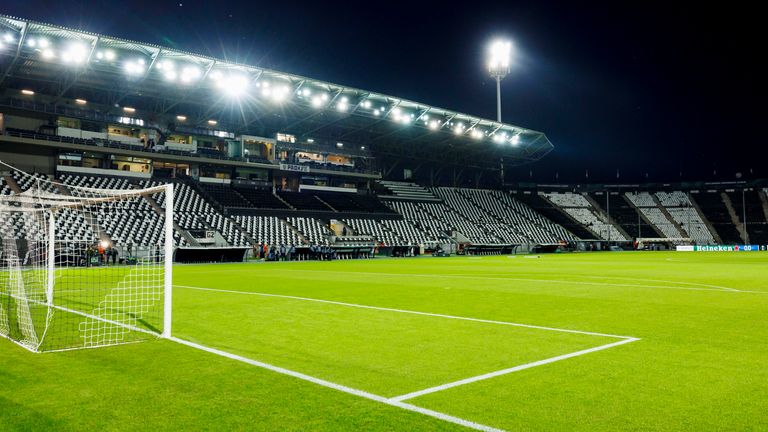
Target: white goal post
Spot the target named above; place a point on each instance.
(84, 267)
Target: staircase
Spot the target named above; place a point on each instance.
(12, 183)
(605, 216)
(665, 212)
(161, 211)
(706, 221)
(734, 217)
(643, 217)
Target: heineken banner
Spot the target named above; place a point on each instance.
(723, 248)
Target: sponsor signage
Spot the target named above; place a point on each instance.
(723, 248)
(293, 167)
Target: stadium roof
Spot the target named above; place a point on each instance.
(115, 73)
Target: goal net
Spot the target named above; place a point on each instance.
(83, 267)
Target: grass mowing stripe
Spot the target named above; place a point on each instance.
(437, 315)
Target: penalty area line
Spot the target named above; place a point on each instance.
(508, 371)
(349, 390)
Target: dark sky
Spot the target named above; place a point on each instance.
(647, 88)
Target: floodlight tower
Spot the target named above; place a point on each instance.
(500, 53)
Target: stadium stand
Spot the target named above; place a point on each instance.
(313, 230)
(353, 202)
(268, 229)
(717, 213)
(623, 214)
(303, 201)
(580, 209)
(750, 204)
(406, 190)
(684, 214)
(551, 212)
(646, 204)
(261, 198)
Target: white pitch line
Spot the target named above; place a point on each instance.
(437, 315)
(339, 387)
(553, 281)
(507, 371)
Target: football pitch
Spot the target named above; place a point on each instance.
(597, 341)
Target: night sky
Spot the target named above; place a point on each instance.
(657, 91)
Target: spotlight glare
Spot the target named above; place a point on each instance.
(367, 104)
(433, 124)
(43, 43)
(515, 140)
(317, 101)
(189, 74)
(306, 92)
(233, 85)
(81, 101)
(109, 55)
(48, 54)
(181, 118)
(213, 122)
(129, 109)
(8, 38)
(27, 92)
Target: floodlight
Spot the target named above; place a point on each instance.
(190, 73)
(317, 101)
(234, 85)
(181, 118)
(75, 53)
(216, 75)
(32, 43)
(8, 38)
(515, 140)
(310, 140)
(339, 144)
(135, 67)
(109, 55)
(433, 124)
(500, 54)
(170, 75)
(306, 92)
(48, 54)
(81, 101)
(213, 122)
(362, 147)
(377, 112)
(129, 109)
(497, 138)
(367, 104)
(27, 92)
(476, 134)
(43, 43)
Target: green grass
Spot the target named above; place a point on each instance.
(701, 363)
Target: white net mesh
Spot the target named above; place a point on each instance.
(70, 276)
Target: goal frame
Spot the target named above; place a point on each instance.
(168, 250)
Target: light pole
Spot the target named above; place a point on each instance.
(500, 53)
